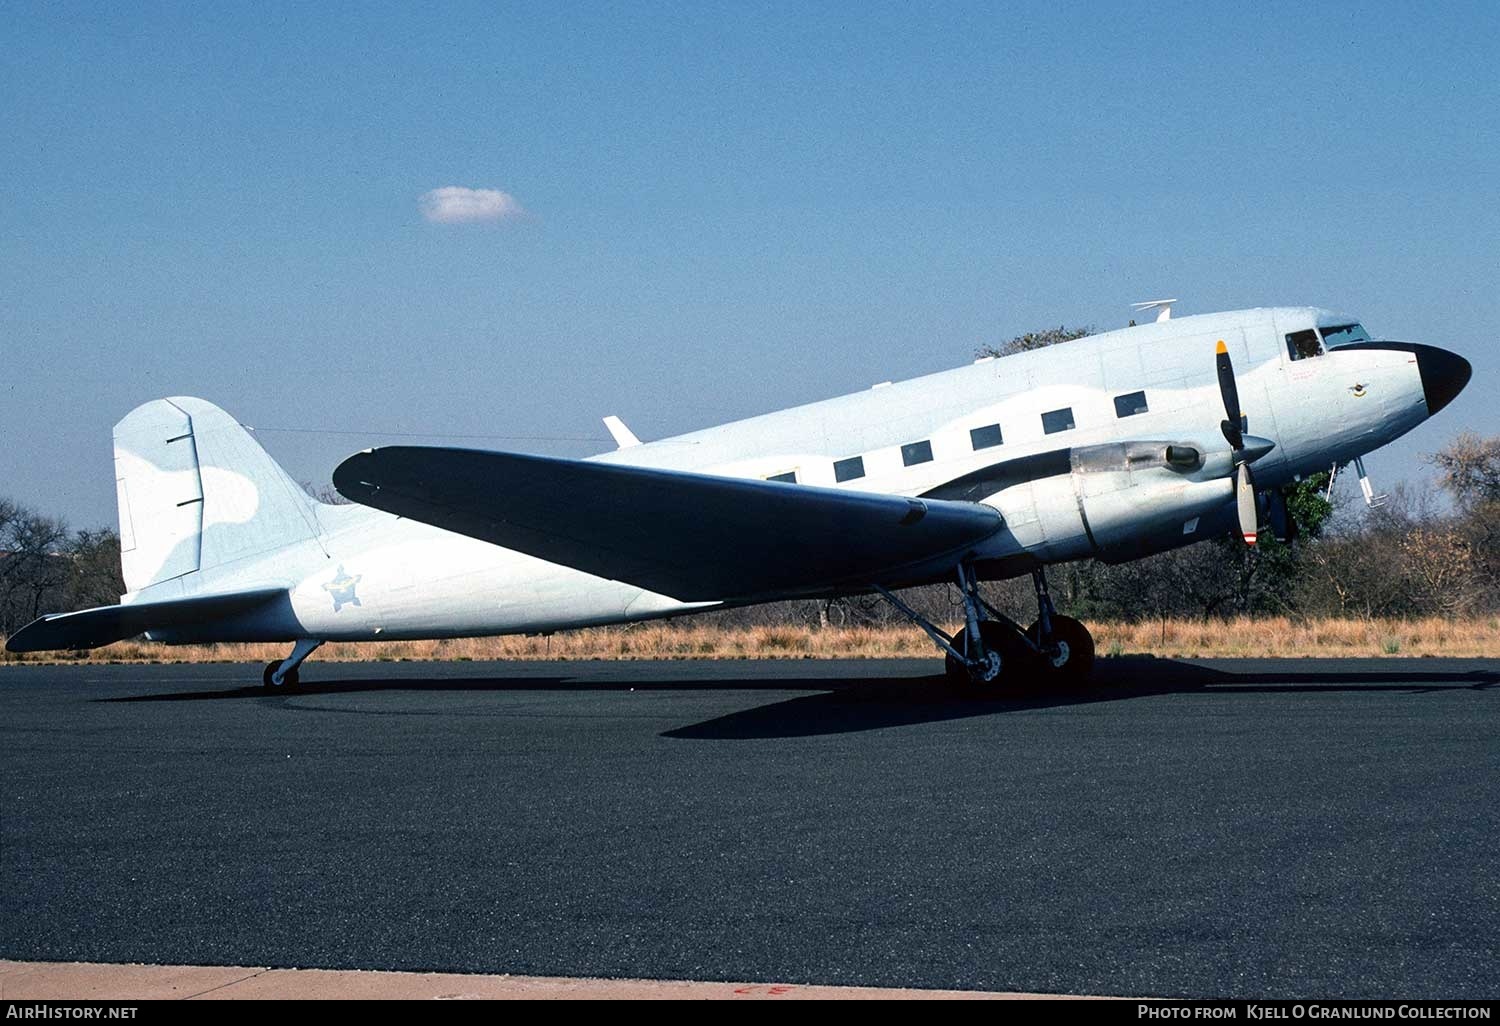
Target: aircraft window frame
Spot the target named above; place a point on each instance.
(1342, 335)
(979, 437)
(851, 469)
(915, 453)
(1131, 404)
(788, 477)
(1051, 421)
(1296, 344)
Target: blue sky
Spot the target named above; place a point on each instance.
(723, 209)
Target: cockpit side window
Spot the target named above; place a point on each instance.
(1303, 344)
(1344, 334)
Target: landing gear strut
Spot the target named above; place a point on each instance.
(281, 674)
(986, 652)
(993, 651)
(992, 647)
(1064, 647)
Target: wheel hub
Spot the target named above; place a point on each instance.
(1060, 656)
(988, 668)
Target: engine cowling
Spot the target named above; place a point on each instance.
(1120, 501)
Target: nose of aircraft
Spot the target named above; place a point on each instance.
(1444, 375)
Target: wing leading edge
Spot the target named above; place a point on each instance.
(694, 537)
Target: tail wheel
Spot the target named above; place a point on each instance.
(288, 681)
(1007, 661)
(1072, 659)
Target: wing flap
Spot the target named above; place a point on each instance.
(694, 537)
(104, 625)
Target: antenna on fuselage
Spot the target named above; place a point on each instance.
(623, 436)
(1163, 308)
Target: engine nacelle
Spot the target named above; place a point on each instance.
(1121, 501)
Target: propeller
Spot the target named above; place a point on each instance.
(1234, 434)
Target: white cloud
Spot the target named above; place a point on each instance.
(454, 204)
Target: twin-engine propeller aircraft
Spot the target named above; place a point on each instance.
(1111, 447)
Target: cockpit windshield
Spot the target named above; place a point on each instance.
(1344, 334)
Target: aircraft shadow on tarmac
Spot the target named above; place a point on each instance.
(852, 704)
(875, 704)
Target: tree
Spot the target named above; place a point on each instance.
(95, 579)
(1470, 468)
(44, 568)
(1440, 568)
(327, 494)
(1309, 504)
(34, 572)
(1033, 340)
(1354, 568)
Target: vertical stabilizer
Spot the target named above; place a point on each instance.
(196, 492)
(160, 495)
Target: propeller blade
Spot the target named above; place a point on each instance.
(1249, 509)
(1233, 433)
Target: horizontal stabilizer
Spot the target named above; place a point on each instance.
(104, 625)
(694, 537)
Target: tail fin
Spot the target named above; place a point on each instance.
(197, 492)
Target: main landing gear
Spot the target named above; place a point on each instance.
(993, 655)
(281, 674)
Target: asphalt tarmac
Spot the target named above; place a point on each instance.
(1310, 828)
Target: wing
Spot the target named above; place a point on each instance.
(694, 537)
(103, 625)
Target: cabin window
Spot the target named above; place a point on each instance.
(1057, 420)
(1303, 344)
(1131, 404)
(1344, 334)
(848, 470)
(986, 437)
(913, 453)
(790, 477)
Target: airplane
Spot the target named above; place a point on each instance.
(1111, 447)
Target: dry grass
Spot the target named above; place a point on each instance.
(1271, 637)
(1281, 637)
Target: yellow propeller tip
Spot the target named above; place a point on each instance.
(1221, 348)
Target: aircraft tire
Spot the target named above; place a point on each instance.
(1073, 664)
(288, 682)
(1015, 663)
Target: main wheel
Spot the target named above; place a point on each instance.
(1073, 659)
(1006, 661)
(288, 681)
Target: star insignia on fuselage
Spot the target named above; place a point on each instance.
(1358, 390)
(341, 589)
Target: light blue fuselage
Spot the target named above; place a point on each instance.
(368, 574)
